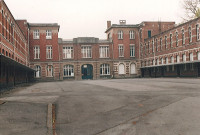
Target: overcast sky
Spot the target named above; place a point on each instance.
(88, 18)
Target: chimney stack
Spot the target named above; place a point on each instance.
(122, 22)
(108, 24)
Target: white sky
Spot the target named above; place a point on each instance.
(80, 18)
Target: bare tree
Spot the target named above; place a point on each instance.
(192, 9)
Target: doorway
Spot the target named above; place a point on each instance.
(87, 71)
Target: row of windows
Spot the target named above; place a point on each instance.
(172, 59)
(131, 34)
(86, 52)
(36, 34)
(155, 42)
(68, 70)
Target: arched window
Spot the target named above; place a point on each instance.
(49, 71)
(38, 71)
(120, 34)
(105, 69)
(68, 70)
(121, 69)
(133, 68)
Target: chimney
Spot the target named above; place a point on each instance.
(122, 22)
(108, 24)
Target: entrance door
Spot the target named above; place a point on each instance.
(87, 71)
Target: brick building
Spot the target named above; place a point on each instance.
(148, 49)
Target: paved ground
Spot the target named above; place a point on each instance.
(104, 107)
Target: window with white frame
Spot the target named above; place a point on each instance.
(157, 61)
(176, 38)
(177, 58)
(197, 30)
(149, 46)
(49, 71)
(165, 42)
(36, 52)
(156, 44)
(104, 51)
(68, 71)
(166, 60)
(105, 69)
(198, 55)
(131, 34)
(184, 58)
(48, 34)
(120, 34)
(183, 37)
(86, 51)
(191, 56)
(190, 34)
(68, 52)
(49, 52)
(172, 59)
(121, 69)
(153, 46)
(171, 41)
(133, 68)
(36, 34)
(121, 51)
(37, 71)
(160, 43)
(132, 50)
(162, 61)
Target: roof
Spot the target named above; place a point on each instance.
(44, 25)
(123, 26)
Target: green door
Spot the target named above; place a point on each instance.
(87, 71)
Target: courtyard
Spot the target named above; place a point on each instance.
(161, 106)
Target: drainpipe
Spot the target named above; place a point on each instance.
(113, 57)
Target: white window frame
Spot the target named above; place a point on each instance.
(120, 34)
(184, 57)
(176, 39)
(132, 50)
(104, 69)
(131, 68)
(86, 51)
(183, 37)
(36, 34)
(49, 52)
(36, 52)
(68, 71)
(121, 50)
(171, 40)
(104, 51)
(48, 34)
(197, 31)
(132, 34)
(122, 71)
(190, 34)
(68, 52)
(162, 61)
(191, 57)
(172, 59)
(157, 61)
(178, 59)
(166, 60)
(198, 55)
(38, 71)
(49, 70)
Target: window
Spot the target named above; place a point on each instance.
(157, 61)
(49, 71)
(191, 56)
(149, 33)
(38, 71)
(197, 29)
(36, 34)
(86, 51)
(121, 51)
(166, 60)
(133, 68)
(183, 37)
(121, 69)
(190, 34)
(160, 43)
(104, 51)
(68, 71)
(153, 46)
(36, 52)
(176, 38)
(67, 52)
(48, 34)
(105, 69)
(165, 42)
(172, 59)
(49, 52)
(131, 34)
(120, 34)
(149, 46)
(198, 55)
(156, 44)
(162, 62)
(171, 41)
(132, 50)
(177, 59)
(184, 57)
